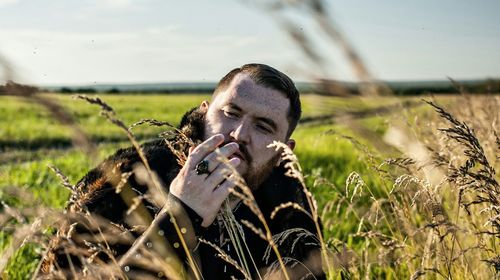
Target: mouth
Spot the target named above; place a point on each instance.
(239, 155)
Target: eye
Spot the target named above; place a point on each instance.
(264, 129)
(231, 114)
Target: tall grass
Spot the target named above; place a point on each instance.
(435, 209)
(431, 211)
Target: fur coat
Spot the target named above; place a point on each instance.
(115, 204)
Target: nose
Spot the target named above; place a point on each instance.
(241, 131)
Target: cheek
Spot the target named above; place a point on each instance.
(218, 123)
(262, 141)
(263, 153)
(213, 123)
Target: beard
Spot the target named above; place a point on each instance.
(254, 177)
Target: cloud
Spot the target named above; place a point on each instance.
(166, 53)
(113, 4)
(116, 3)
(8, 2)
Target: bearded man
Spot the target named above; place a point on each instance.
(251, 107)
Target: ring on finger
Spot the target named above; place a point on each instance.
(202, 167)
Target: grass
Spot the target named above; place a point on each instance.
(31, 139)
(384, 227)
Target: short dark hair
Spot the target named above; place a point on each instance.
(269, 77)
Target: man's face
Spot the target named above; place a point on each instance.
(252, 116)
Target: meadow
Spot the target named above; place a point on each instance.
(388, 202)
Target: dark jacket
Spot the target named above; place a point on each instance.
(294, 231)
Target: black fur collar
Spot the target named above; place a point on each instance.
(192, 124)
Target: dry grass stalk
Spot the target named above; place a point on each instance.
(64, 179)
(237, 235)
(225, 257)
(295, 171)
(330, 35)
(289, 205)
(108, 112)
(243, 192)
(420, 198)
(30, 94)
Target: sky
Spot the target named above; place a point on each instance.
(140, 41)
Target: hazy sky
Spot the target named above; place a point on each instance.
(127, 41)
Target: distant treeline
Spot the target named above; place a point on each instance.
(116, 90)
(488, 86)
(480, 87)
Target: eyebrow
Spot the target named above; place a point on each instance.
(234, 106)
(268, 121)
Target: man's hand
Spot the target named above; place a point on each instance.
(204, 193)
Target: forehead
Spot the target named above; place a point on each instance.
(255, 99)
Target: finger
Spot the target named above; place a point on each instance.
(214, 158)
(224, 190)
(222, 172)
(204, 149)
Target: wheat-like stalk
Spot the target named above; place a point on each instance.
(295, 171)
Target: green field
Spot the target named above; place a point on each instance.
(30, 139)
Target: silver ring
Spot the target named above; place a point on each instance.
(202, 167)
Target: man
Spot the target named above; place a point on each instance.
(251, 107)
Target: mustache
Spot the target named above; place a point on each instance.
(243, 150)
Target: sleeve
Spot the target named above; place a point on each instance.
(98, 229)
(173, 238)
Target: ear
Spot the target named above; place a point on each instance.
(204, 106)
(291, 144)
